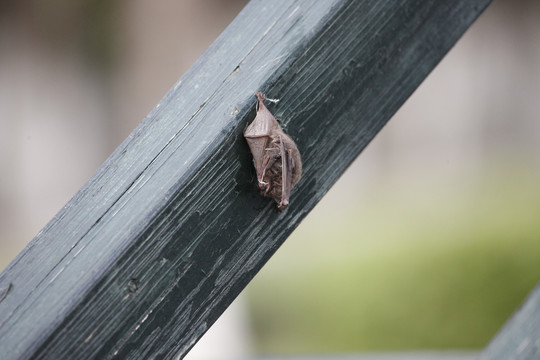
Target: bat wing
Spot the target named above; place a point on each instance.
(258, 135)
(258, 150)
(264, 123)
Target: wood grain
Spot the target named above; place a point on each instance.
(171, 228)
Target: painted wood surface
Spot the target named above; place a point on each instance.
(171, 228)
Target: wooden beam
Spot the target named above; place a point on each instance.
(519, 338)
(171, 228)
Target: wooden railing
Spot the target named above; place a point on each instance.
(150, 252)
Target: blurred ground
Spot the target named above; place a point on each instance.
(429, 241)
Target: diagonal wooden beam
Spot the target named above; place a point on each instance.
(519, 338)
(171, 228)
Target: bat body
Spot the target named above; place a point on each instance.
(275, 155)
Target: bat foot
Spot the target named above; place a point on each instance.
(263, 97)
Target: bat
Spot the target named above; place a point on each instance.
(275, 155)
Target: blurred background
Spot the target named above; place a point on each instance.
(431, 239)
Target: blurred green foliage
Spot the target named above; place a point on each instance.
(435, 264)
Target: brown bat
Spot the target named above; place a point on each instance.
(275, 155)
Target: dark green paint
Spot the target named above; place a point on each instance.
(171, 228)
